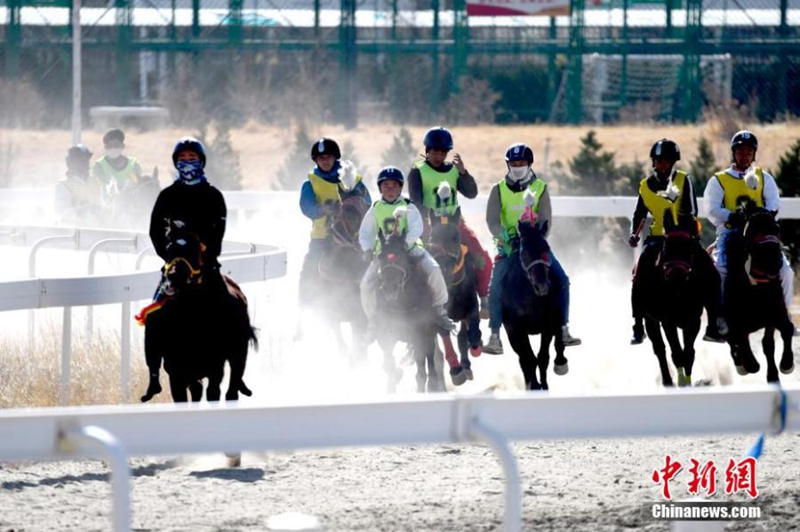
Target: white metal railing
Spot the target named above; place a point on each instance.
(244, 262)
(120, 431)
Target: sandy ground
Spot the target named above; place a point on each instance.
(38, 156)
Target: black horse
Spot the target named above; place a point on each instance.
(531, 306)
(753, 294)
(202, 324)
(682, 281)
(342, 266)
(459, 271)
(405, 314)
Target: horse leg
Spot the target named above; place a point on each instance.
(676, 352)
(393, 373)
(690, 333)
(787, 357)
(544, 357)
(768, 345)
(463, 349)
(196, 390)
(745, 354)
(177, 387)
(422, 376)
(435, 380)
(358, 353)
(654, 332)
(521, 345)
(457, 373)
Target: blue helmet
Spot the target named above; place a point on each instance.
(519, 152)
(391, 173)
(189, 144)
(438, 138)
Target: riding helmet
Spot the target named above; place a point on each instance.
(78, 152)
(438, 138)
(744, 138)
(391, 173)
(325, 146)
(665, 149)
(519, 152)
(189, 144)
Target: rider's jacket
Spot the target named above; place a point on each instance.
(653, 200)
(325, 189)
(202, 209)
(659, 204)
(381, 220)
(424, 181)
(114, 180)
(735, 188)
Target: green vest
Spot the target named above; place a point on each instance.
(431, 179)
(106, 173)
(512, 205)
(658, 205)
(387, 222)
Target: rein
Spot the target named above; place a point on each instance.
(192, 271)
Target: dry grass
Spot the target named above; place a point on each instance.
(263, 149)
(32, 378)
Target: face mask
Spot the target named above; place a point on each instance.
(518, 173)
(190, 172)
(113, 153)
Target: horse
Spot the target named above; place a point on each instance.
(531, 306)
(754, 261)
(682, 282)
(135, 202)
(342, 266)
(458, 268)
(200, 326)
(406, 314)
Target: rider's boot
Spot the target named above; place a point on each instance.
(495, 346)
(638, 332)
(443, 321)
(484, 307)
(717, 331)
(568, 339)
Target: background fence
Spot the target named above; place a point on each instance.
(409, 60)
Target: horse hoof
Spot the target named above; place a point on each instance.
(561, 369)
(244, 390)
(152, 390)
(234, 459)
(741, 370)
(703, 382)
(469, 374)
(788, 370)
(684, 380)
(752, 367)
(475, 351)
(458, 375)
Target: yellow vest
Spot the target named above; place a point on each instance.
(326, 193)
(430, 185)
(735, 189)
(83, 193)
(658, 205)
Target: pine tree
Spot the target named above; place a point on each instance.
(223, 166)
(788, 179)
(402, 152)
(593, 171)
(297, 165)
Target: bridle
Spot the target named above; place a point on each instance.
(680, 265)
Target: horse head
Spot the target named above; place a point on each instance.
(446, 246)
(680, 244)
(185, 256)
(394, 266)
(345, 222)
(534, 253)
(763, 253)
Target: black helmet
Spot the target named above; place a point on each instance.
(744, 138)
(519, 152)
(325, 146)
(391, 173)
(438, 138)
(665, 149)
(189, 144)
(78, 152)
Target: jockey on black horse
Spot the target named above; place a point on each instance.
(190, 204)
(666, 190)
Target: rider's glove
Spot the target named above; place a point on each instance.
(736, 219)
(633, 240)
(327, 208)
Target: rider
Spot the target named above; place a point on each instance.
(503, 211)
(723, 193)
(200, 207)
(382, 216)
(78, 195)
(321, 196)
(423, 182)
(115, 171)
(666, 189)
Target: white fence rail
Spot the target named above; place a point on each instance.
(120, 431)
(252, 262)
